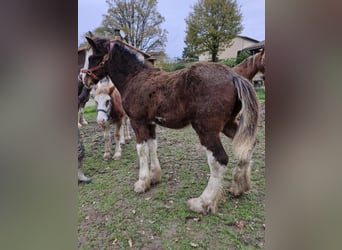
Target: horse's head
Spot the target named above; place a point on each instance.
(103, 102)
(260, 61)
(95, 61)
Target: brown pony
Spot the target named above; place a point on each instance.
(207, 96)
(110, 111)
(249, 67)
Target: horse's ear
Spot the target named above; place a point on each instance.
(90, 34)
(262, 51)
(111, 89)
(91, 42)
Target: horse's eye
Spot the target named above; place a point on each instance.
(107, 103)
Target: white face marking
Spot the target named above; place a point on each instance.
(103, 102)
(139, 56)
(89, 52)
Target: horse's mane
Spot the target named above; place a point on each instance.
(131, 47)
(103, 88)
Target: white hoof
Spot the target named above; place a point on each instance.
(106, 156)
(196, 205)
(199, 206)
(117, 156)
(141, 186)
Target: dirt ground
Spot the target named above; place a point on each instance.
(112, 216)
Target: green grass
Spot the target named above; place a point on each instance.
(90, 112)
(111, 214)
(260, 93)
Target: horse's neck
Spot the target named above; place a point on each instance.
(246, 69)
(121, 73)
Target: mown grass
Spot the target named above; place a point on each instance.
(113, 216)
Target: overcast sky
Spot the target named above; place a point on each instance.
(90, 15)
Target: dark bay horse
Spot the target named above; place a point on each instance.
(207, 96)
(249, 67)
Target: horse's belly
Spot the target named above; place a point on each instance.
(175, 123)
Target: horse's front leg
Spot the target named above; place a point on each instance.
(118, 140)
(81, 119)
(108, 142)
(144, 174)
(126, 128)
(142, 136)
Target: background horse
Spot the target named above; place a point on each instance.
(110, 111)
(83, 91)
(249, 67)
(208, 96)
(80, 154)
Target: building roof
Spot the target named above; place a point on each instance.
(259, 45)
(146, 55)
(249, 38)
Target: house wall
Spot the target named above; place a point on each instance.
(239, 43)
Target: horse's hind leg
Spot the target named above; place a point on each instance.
(241, 174)
(241, 178)
(230, 129)
(127, 134)
(122, 133)
(217, 160)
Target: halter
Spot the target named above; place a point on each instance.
(107, 112)
(90, 72)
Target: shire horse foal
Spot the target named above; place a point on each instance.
(208, 96)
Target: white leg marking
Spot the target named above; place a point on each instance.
(108, 143)
(241, 178)
(82, 177)
(122, 134)
(82, 120)
(126, 129)
(78, 119)
(155, 170)
(144, 174)
(212, 193)
(118, 136)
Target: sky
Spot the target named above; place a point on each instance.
(175, 12)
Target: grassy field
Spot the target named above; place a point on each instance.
(113, 216)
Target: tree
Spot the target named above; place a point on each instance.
(242, 56)
(213, 25)
(139, 20)
(190, 51)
